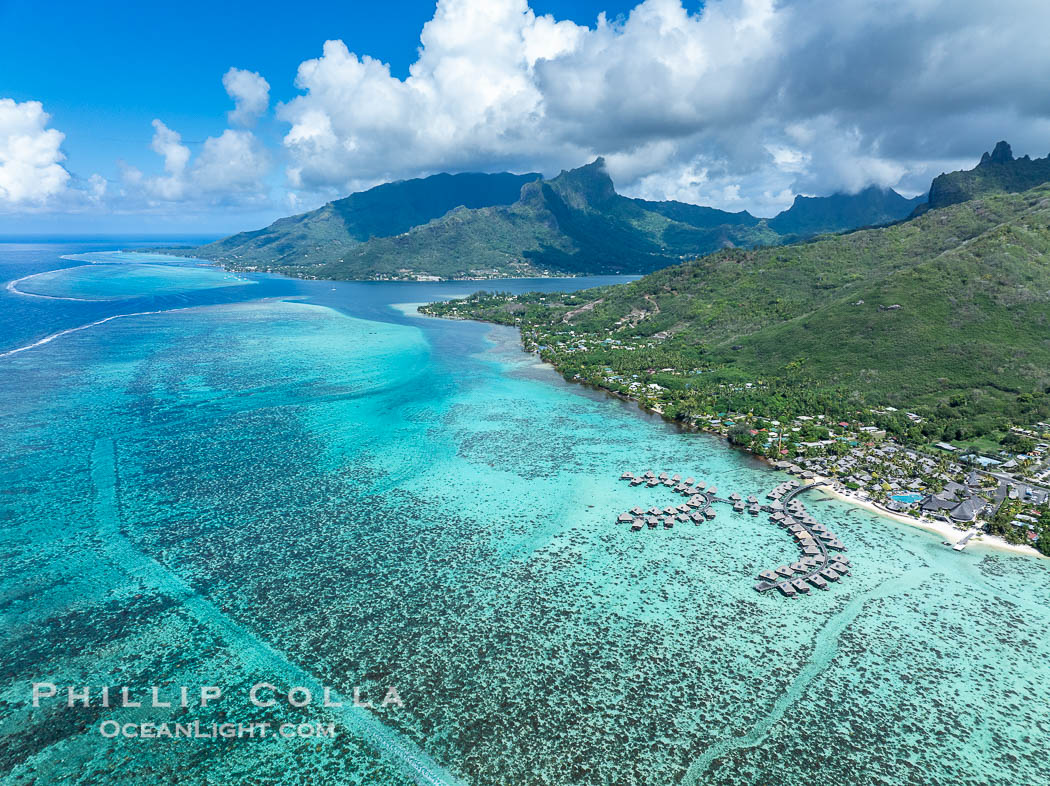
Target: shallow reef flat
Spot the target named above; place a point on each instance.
(223, 493)
(108, 278)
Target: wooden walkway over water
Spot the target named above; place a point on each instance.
(821, 560)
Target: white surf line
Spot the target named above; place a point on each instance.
(59, 334)
(398, 751)
(12, 286)
(825, 649)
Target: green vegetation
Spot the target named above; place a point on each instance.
(1015, 519)
(946, 316)
(998, 172)
(493, 226)
(324, 236)
(810, 216)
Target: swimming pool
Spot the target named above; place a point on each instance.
(906, 497)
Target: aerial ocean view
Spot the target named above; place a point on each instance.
(220, 479)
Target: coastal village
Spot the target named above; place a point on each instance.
(1002, 494)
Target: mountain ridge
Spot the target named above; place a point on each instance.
(996, 172)
(946, 315)
(503, 225)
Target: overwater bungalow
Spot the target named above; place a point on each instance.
(690, 481)
(655, 511)
(683, 517)
(786, 589)
(739, 507)
(818, 582)
(798, 567)
(668, 482)
(676, 478)
(710, 514)
(670, 510)
(785, 571)
(680, 488)
(777, 516)
(683, 508)
(697, 501)
(768, 575)
(669, 522)
(818, 527)
(636, 525)
(838, 567)
(648, 474)
(810, 551)
(829, 574)
(800, 585)
(626, 476)
(754, 510)
(652, 522)
(637, 511)
(752, 499)
(712, 490)
(811, 562)
(842, 558)
(701, 484)
(697, 516)
(652, 482)
(662, 476)
(835, 544)
(734, 496)
(625, 517)
(637, 481)
(762, 586)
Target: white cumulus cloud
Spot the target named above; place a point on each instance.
(250, 93)
(229, 168)
(740, 102)
(30, 155)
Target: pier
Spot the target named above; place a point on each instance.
(820, 562)
(965, 540)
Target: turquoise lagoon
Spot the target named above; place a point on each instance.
(303, 483)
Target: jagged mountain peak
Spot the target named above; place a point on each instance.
(1001, 154)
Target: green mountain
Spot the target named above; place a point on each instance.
(571, 224)
(998, 172)
(810, 216)
(478, 226)
(947, 315)
(323, 235)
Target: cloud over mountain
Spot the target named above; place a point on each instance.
(741, 103)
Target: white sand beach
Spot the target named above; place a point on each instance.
(949, 532)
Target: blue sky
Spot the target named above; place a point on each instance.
(741, 104)
(108, 69)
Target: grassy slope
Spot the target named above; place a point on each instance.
(972, 280)
(574, 223)
(324, 236)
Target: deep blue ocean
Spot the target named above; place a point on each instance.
(228, 480)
